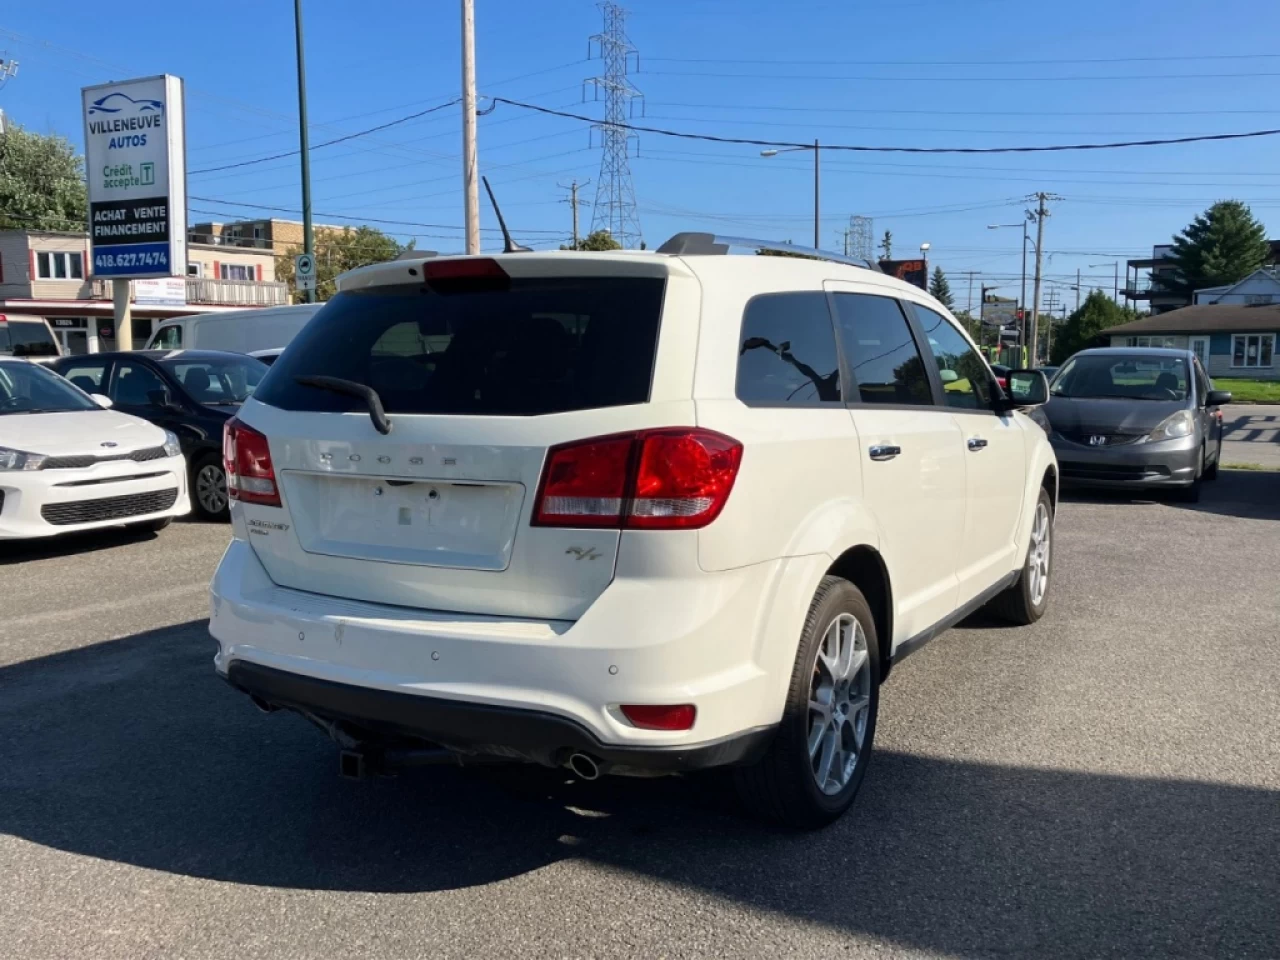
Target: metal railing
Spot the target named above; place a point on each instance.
(208, 290)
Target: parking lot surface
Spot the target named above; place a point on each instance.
(1251, 434)
(1104, 784)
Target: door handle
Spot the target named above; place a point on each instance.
(884, 451)
(977, 443)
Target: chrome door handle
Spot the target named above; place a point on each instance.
(884, 451)
(977, 443)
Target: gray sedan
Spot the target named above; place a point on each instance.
(1136, 417)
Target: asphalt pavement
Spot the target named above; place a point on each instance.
(1103, 784)
(1251, 434)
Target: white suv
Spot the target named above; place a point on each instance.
(624, 512)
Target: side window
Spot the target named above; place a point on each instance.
(88, 377)
(881, 351)
(133, 384)
(170, 338)
(787, 354)
(966, 382)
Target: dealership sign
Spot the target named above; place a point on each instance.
(135, 154)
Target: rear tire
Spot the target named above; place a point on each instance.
(209, 488)
(1026, 601)
(819, 755)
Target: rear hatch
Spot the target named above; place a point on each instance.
(479, 376)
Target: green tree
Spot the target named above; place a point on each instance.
(1098, 313)
(600, 240)
(338, 251)
(886, 246)
(941, 289)
(1220, 246)
(41, 183)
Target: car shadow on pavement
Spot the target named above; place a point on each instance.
(20, 551)
(133, 752)
(1249, 494)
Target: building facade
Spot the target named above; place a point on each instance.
(1150, 280)
(48, 274)
(1260, 287)
(1231, 340)
(274, 235)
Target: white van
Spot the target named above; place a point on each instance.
(240, 331)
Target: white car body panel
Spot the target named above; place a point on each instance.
(88, 433)
(512, 615)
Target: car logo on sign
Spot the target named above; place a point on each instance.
(1097, 441)
(108, 443)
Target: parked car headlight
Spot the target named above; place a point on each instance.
(20, 459)
(1171, 428)
(171, 446)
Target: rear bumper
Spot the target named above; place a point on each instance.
(1171, 463)
(479, 728)
(540, 690)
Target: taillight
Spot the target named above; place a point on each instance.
(650, 717)
(472, 275)
(247, 459)
(653, 480)
(583, 484)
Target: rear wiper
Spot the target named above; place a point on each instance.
(352, 389)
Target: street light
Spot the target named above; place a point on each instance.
(817, 205)
(1116, 266)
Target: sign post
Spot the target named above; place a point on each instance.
(304, 272)
(135, 158)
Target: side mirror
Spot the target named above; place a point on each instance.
(1027, 388)
(105, 403)
(1217, 398)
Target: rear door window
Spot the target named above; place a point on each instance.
(539, 346)
(787, 353)
(881, 351)
(89, 377)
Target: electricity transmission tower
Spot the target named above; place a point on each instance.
(615, 205)
(860, 243)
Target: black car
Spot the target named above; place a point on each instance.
(191, 392)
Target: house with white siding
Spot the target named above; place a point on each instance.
(1231, 339)
(1261, 286)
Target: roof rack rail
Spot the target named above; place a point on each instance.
(712, 244)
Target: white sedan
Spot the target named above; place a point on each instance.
(68, 464)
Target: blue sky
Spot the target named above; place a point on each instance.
(915, 73)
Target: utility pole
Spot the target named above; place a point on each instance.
(968, 307)
(1077, 288)
(615, 204)
(817, 202)
(470, 164)
(573, 202)
(1041, 212)
(308, 238)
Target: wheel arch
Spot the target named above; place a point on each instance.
(864, 567)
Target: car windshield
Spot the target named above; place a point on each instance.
(218, 381)
(1125, 377)
(27, 338)
(30, 388)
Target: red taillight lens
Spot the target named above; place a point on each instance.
(653, 480)
(247, 459)
(649, 717)
(683, 478)
(583, 484)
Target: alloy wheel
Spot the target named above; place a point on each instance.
(211, 488)
(1038, 556)
(839, 703)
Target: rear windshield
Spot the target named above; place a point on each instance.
(27, 338)
(546, 345)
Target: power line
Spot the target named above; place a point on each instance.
(953, 79)
(329, 143)
(755, 107)
(754, 142)
(965, 63)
